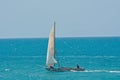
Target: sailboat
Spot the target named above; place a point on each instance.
(51, 60)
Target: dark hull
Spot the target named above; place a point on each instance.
(64, 69)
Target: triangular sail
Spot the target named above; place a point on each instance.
(50, 61)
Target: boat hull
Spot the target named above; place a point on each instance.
(64, 69)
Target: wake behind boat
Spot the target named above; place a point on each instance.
(51, 61)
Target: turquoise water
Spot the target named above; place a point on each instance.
(24, 59)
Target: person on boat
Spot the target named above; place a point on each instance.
(78, 66)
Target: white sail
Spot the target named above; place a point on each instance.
(50, 61)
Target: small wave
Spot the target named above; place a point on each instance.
(73, 70)
(7, 69)
(22, 56)
(84, 56)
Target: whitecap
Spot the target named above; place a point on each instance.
(7, 69)
(73, 71)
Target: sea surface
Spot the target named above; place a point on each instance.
(24, 59)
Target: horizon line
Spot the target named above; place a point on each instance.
(57, 37)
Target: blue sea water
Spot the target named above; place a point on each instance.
(24, 59)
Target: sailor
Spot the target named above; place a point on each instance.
(78, 66)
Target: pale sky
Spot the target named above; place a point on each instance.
(74, 18)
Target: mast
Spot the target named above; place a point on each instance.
(54, 44)
(54, 38)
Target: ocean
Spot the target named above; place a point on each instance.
(24, 59)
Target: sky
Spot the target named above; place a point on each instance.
(74, 18)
